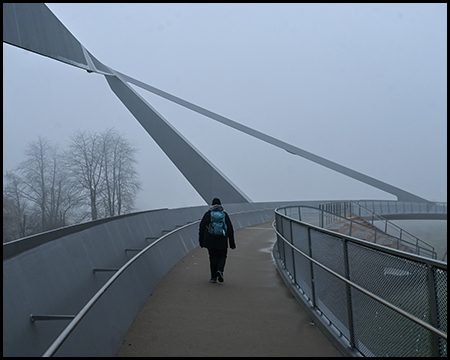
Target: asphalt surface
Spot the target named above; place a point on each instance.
(252, 313)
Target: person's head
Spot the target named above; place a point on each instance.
(216, 201)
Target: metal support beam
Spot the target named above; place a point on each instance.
(209, 181)
(402, 195)
(94, 270)
(20, 22)
(35, 317)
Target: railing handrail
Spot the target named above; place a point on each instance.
(82, 313)
(415, 257)
(402, 231)
(300, 228)
(360, 288)
(386, 222)
(419, 205)
(433, 253)
(62, 337)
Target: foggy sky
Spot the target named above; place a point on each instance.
(364, 85)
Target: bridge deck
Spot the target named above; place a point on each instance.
(252, 313)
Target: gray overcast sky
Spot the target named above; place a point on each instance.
(364, 85)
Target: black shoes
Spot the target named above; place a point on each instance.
(220, 276)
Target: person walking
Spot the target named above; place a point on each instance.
(215, 231)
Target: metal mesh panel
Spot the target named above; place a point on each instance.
(302, 264)
(310, 216)
(417, 286)
(289, 259)
(293, 212)
(288, 252)
(397, 280)
(380, 331)
(328, 250)
(330, 292)
(402, 282)
(331, 299)
(286, 228)
(441, 295)
(280, 242)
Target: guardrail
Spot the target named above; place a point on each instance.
(182, 232)
(394, 210)
(76, 281)
(344, 211)
(54, 347)
(48, 278)
(369, 299)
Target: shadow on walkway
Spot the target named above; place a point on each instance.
(252, 313)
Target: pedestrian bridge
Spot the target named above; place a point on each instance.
(76, 291)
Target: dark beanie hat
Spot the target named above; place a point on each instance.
(216, 201)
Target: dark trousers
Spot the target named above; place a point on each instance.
(217, 259)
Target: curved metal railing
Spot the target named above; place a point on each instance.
(53, 348)
(396, 209)
(344, 211)
(87, 250)
(373, 300)
(63, 336)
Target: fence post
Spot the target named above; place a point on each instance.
(293, 253)
(281, 248)
(311, 268)
(349, 296)
(433, 309)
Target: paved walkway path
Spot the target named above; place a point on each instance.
(252, 313)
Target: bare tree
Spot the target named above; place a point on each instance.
(120, 176)
(44, 181)
(103, 165)
(9, 228)
(86, 159)
(14, 208)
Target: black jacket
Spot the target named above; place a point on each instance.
(213, 241)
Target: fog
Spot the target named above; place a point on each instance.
(363, 85)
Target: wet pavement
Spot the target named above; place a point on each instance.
(252, 313)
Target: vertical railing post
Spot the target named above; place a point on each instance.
(433, 309)
(293, 253)
(351, 327)
(281, 243)
(284, 245)
(311, 268)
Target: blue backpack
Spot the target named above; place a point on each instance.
(217, 225)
